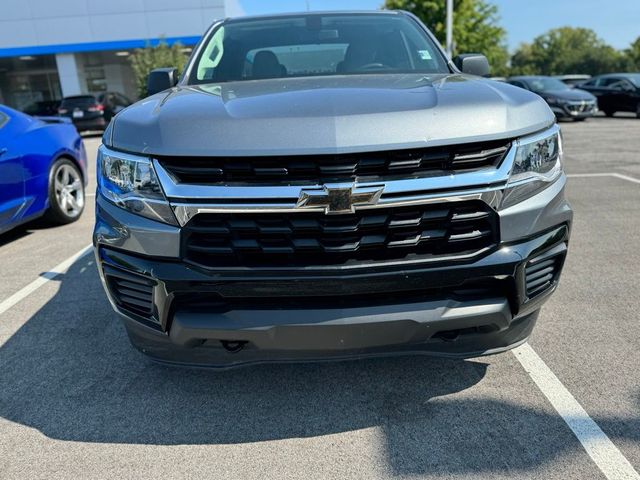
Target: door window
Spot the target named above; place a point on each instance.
(608, 82)
(622, 86)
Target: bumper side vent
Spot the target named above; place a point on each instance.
(131, 292)
(540, 274)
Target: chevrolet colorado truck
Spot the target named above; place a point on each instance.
(329, 185)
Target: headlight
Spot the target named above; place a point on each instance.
(537, 163)
(555, 101)
(130, 182)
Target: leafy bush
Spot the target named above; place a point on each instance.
(143, 60)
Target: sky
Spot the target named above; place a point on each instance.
(615, 21)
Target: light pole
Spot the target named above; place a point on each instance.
(449, 45)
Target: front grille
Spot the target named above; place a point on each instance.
(312, 238)
(318, 169)
(581, 107)
(131, 292)
(540, 273)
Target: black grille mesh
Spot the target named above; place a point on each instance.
(322, 168)
(310, 238)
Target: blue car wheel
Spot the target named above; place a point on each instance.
(66, 192)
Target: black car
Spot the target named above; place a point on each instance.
(48, 108)
(573, 80)
(89, 112)
(616, 92)
(564, 101)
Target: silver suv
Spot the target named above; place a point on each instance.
(329, 185)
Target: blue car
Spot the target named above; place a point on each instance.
(43, 169)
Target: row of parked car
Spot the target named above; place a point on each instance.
(87, 112)
(579, 97)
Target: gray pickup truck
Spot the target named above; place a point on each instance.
(329, 185)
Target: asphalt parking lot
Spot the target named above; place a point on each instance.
(76, 401)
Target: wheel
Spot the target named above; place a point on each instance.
(638, 111)
(609, 113)
(581, 119)
(66, 192)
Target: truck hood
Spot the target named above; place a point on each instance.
(326, 115)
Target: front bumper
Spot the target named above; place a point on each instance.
(238, 316)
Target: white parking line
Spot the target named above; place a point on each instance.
(41, 280)
(610, 174)
(626, 177)
(587, 175)
(600, 448)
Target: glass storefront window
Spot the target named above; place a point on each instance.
(96, 81)
(25, 81)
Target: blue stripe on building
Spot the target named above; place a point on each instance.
(93, 46)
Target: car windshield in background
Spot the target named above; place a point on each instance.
(547, 84)
(313, 45)
(635, 79)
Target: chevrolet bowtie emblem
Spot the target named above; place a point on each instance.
(339, 199)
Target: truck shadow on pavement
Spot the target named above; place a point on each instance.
(70, 373)
(26, 229)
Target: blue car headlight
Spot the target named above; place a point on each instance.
(537, 164)
(130, 182)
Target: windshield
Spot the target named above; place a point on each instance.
(79, 101)
(546, 84)
(635, 79)
(312, 45)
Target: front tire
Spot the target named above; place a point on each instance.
(609, 113)
(638, 111)
(66, 192)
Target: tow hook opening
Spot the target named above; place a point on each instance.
(453, 335)
(448, 335)
(233, 346)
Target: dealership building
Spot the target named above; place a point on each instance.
(51, 49)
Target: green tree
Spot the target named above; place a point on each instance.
(143, 60)
(632, 56)
(475, 27)
(566, 50)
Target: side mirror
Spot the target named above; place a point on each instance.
(161, 79)
(473, 64)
